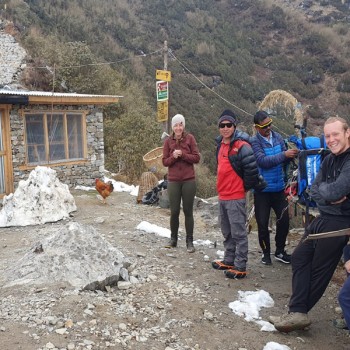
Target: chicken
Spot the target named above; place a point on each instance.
(104, 188)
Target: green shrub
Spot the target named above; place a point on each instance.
(344, 84)
(315, 43)
(206, 182)
(344, 100)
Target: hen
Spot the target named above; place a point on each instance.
(104, 188)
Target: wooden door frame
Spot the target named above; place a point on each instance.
(7, 153)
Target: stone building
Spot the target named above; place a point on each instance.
(61, 130)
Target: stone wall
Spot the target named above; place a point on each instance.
(71, 174)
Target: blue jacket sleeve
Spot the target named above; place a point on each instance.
(346, 252)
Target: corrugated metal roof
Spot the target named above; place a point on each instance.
(54, 94)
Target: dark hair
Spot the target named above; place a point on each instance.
(260, 116)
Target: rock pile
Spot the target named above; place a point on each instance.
(12, 56)
(75, 255)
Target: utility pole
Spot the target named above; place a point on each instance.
(163, 78)
(165, 55)
(166, 126)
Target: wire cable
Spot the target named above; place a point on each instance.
(206, 86)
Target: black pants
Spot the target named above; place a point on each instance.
(263, 203)
(314, 262)
(186, 192)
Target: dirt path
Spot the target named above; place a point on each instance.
(180, 302)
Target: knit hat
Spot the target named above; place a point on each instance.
(178, 118)
(229, 116)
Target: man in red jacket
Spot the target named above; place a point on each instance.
(237, 172)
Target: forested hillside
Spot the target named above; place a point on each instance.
(222, 53)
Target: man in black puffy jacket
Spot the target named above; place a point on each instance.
(314, 261)
(237, 172)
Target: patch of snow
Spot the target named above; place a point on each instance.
(275, 346)
(151, 228)
(249, 304)
(40, 199)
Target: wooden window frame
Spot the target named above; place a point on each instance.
(65, 114)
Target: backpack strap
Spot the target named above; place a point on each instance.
(303, 143)
(322, 142)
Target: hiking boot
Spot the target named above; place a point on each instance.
(266, 259)
(292, 321)
(283, 257)
(221, 265)
(340, 323)
(171, 244)
(190, 247)
(189, 243)
(274, 319)
(235, 273)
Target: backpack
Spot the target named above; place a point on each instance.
(152, 197)
(312, 152)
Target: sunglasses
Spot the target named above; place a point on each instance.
(264, 126)
(228, 125)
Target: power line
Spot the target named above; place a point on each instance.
(206, 86)
(215, 93)
(92, 64)
(143, 55)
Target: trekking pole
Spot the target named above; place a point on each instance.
(339, 233)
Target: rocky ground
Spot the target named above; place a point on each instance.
(179, 302)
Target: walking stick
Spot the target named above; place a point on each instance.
(343, 232)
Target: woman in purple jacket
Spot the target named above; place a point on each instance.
(180, 153)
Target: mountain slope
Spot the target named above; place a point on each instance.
(221, 53)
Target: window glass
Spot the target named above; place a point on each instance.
(54, 137)
(75, 144)
(35, 138)
(56, 134)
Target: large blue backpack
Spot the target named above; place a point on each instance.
(312, 150)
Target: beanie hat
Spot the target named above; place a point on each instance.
(229, 116)
(178, 118)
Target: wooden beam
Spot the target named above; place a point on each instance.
(73, 100)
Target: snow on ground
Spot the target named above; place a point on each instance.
(275, 346)
(118, 187)
(40, 199)
(249, 304)
(43, 198)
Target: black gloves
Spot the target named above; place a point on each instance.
(261, 184)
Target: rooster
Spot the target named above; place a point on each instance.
(104, 188)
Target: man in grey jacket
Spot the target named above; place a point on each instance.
(314, 261)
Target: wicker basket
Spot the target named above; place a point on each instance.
(153, 162)
(147, 182)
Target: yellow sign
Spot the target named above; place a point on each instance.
(163, 75)
(162, 111)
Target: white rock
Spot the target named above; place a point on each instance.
(61, 330)
(122, 326)
(124, 285)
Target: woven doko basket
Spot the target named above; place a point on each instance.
(147, 182)
(153, 161)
